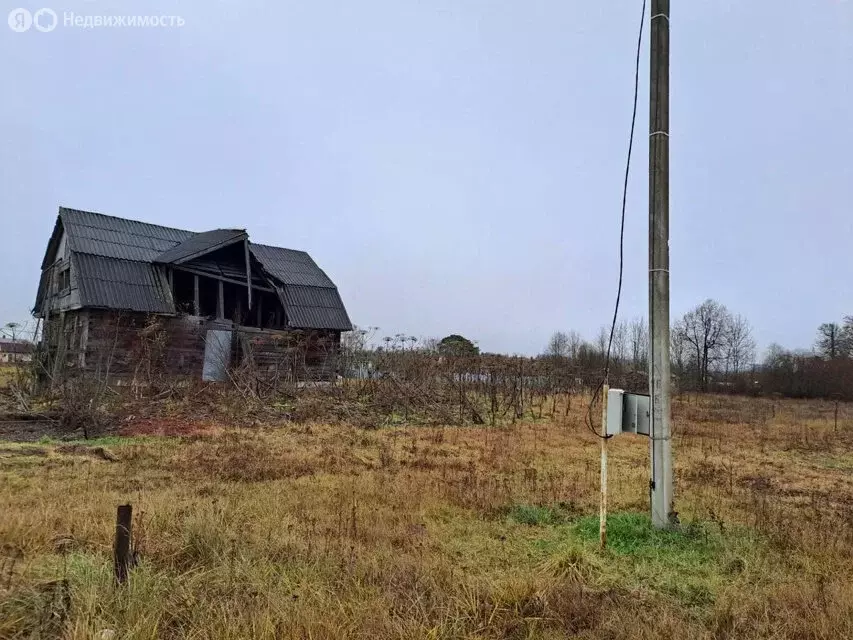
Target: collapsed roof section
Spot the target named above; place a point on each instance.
(122, 264)
(201, 244)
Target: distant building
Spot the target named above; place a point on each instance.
(120, 297)
(15, 351)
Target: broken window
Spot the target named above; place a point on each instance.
(63, 280)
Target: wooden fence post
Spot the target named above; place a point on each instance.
(835, 429)
(602, 515)
(124, 519)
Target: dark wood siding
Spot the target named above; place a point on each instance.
(145, 348)
(290, 355)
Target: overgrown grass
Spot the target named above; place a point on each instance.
(322, 531)
(8, 373)
(107, 441)
(537, 515)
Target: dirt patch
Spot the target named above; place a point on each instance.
(760, 484)
(29, 430)
(83, 450)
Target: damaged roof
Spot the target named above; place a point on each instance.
(200, 244)
(119, 265)
(290, 266)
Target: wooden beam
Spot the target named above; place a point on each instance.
(220, 301)
(84, 340)
(122, 558)
(260, 312)
(213, 276)
(248, 272)
(196, 305)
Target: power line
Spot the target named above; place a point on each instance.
(621, 227)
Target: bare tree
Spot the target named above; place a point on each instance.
(575, 344)
(739, 347)
(678, 348)
(558, 345)
(705, 329)
(619, 350)
(847, 337)
(602, 340)
(833, 340)
(638, 335)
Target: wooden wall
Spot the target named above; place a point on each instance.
(146, 348)
(289, 355)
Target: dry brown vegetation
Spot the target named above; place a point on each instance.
(279, 529)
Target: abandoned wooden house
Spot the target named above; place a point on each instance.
(125, 299)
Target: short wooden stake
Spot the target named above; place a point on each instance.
(124, 520)
(602, 516)
(835, 429)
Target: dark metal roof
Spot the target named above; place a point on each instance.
(116, 267)
(200, 244)
(122, 284)
(315, 308)
(42, 291)
(311, 300)
(111, 237)
(291, 266)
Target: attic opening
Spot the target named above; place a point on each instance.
(215, 286)
(63, 280)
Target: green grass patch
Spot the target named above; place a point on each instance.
(633, 534)
(535, 515)
(838, 462)
(691, 564)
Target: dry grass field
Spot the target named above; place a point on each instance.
(7, 374)
(330, 531)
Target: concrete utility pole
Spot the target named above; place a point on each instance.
(663, 514)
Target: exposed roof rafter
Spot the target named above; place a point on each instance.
(201, 244)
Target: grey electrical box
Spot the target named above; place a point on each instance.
(627, 413)
(614, 411)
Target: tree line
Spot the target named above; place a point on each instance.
(713, 349)
(709, 345)
(824, 371)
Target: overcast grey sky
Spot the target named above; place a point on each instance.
(454, 165)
